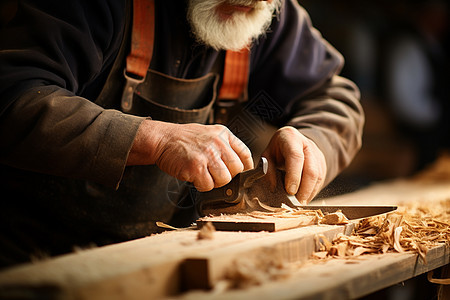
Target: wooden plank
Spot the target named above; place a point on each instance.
(249, 223)
(149, 267)
(339, 278)
(139, 269)
(393, 192)
(204, 269)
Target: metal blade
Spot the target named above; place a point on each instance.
(353, 211)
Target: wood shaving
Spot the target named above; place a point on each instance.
(166, 226)
(206, 232)
(336, 218)
(316, 216)
(414, 228)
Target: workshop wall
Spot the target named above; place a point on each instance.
(363, 31)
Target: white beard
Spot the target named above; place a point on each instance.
(234, 33)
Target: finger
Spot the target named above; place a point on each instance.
(315, 191)
(304, 193)
(310, 178)
(219, 173)
(320, 181)
(232, 162)
(294, 162)
(302, 196)
(242, 151)
(321, 166)
(203, 181)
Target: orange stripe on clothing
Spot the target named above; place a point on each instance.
(235, 76)
(142, 38)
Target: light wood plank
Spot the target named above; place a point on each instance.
(249, 223)
(339, 279)
(150, 267)
(204, 269)
(139, 269)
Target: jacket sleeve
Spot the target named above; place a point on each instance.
(299, 72)
(52, 54)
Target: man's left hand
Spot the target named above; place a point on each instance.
(303, 161)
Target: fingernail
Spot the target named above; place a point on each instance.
(292, 189)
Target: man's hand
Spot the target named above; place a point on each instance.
(302, 160)
(209, 156)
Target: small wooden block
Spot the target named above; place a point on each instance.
(249, 223)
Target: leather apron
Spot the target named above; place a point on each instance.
(146, 194)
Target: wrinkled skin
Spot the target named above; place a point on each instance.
(209, 156)
(303, 162)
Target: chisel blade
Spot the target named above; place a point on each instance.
(352, 211)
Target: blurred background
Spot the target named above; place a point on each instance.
(397, 51)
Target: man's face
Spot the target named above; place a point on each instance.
(230, 24)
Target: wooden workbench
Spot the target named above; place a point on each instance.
(172, 264)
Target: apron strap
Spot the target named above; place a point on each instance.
(236, 70)
(235, 76)
(140, 56)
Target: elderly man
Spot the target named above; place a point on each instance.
(94, 153)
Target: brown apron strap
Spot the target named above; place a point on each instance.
(235, 76)
(140, 56)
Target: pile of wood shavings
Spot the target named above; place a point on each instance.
(415, 228)
(311, 217)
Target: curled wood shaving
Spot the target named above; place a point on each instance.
(414, 228)
(337, 218)
(325, 244)
(166, 226)
(397, 245)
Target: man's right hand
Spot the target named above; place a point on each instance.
(209, 156)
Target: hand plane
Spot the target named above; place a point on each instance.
(232, 197)
(249, 191)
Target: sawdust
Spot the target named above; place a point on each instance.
(414, 228)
